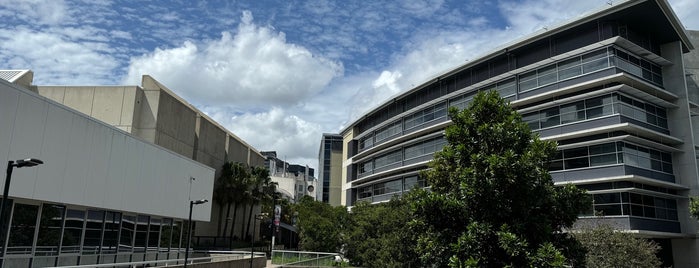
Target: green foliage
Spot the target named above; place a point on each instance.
(376, 235)
(320, 225)
(492, 201)
(694, 207)
(607, 247)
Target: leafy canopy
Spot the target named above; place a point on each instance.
(492, 201)
(607, 247)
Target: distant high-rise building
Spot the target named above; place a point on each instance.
(330, 169)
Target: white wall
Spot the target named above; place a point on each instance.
(89, 163)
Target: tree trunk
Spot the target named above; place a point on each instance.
(220, 211)
(228, 213)
(242, 228)
(247, 231)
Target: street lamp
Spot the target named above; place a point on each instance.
(189, 227)
(260, 216)
(29, 162)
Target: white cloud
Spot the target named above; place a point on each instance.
(274, 130)
(40, 12)
(55, 59)
(254, 68)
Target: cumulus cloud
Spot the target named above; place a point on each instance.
(254, 67)
(274, 130)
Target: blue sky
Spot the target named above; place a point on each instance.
(276, 73)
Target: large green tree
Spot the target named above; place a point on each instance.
(607, 247)
(492, 202)
(376, 235)
(320, 225)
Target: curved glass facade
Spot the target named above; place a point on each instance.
(606, 89)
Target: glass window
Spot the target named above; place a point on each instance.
(22, 229)
(128, 224)
(73, 231)
(569, 68)
(581, 162)
(141, 233)
(50, 226)
(93, 231)
(111, 232)
(154, 234)
(166, 235)
(176, 233)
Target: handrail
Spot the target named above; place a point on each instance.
(237, 255)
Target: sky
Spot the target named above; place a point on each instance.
(280, 73)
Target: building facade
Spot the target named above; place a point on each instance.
(87, 203)
(154, 113)
(330, 169)
(616, 89)
(294, 181)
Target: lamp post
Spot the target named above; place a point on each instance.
(260, 216)
(29, 162)
(189, 227)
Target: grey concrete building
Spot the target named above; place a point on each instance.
(154, 113)
(102, 195)
(615, 88)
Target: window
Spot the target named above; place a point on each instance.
(633, 204)
(154, 234)
(141, 233)
(93, 231)
(128, 224)
(73, 231)
(388, 159)
(111, 232)
(597, 107)
(611, 154)
(22, 229)
(388, 131)
(50, 226)
(424, 148)
(425, 115)
(166, 235)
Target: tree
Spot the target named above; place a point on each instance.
(228, 190)
(376, 235)
(694, 207)
(261, 189)
(320, 225)
(607, 247)
(492, 201)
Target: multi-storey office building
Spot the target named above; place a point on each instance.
(612, 88)
(330, 169)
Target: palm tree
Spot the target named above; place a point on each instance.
(240, 183)
(262, 188)
(228, 190)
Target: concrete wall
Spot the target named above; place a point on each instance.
(237, 151)
(112, 105)
(89, 163)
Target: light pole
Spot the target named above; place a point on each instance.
(29, 162)
(189, 227)
(260, 216)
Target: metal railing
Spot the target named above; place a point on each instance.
(289, 258)
(215, 256)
